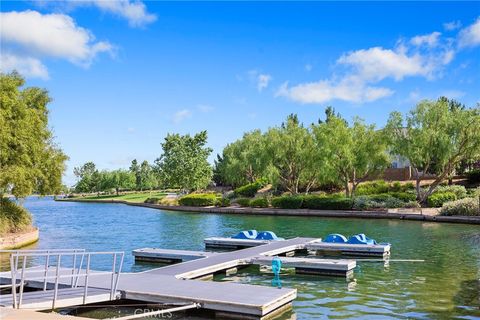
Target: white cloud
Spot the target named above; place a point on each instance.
(53, 35)
(375, 64)
(261, 80)
(205, 108)
(181, 115)
(134, 11)
(27, 66)
(452, 25)
(470, 36)
(429, 40)
(325, 90)
(357, 73)
(28, 37)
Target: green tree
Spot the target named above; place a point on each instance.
(435, 137)
(30, 161)
(147, 176)
(183, 163)
(87, 177)
(120, 180)
(293, 156)
(353, 153)
(244, 161)
(135, 169)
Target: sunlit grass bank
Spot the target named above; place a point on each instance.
(130, 197)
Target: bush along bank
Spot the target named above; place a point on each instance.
(203, 200)
(13, 218)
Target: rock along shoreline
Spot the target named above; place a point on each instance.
(297, 212)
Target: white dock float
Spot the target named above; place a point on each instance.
(382, 250)
(231, 243)
(312, 266)
(168, 255)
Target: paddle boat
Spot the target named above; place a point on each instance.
(360, 238)
(255, 235)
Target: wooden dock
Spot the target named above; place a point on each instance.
(175, 284)
(231, 243)
(315, 245)
(302, 265)
(168, 255)
(382, 250)
(329, 267)
(67, 297)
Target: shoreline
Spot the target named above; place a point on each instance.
(18, 240)
(296, 212)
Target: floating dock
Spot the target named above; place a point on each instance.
(231, 243)
(168, 255)
(178, 284)
(320, 248)
(300, 264)
(316, 246)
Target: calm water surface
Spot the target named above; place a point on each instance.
(446, 285)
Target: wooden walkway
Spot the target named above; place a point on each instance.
(172, 284)
(67, 297)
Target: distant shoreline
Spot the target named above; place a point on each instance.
(296, 212)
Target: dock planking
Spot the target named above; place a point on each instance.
(311, 266)
(168, 255)
(175, 284)
(382, 250)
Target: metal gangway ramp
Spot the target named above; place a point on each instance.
(57, 266)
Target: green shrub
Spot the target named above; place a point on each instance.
(287, 202)
(223, 202)
(404, 196)
(372, 187)
(199, 200)
(438, 199)
(327, 203)
(259, 202)
(379, 197)
(460, 191)
(153, 200)
(13, 218)
(462, 207)
(244, 202)
(377, 202)
(248, 190)
(473, 176)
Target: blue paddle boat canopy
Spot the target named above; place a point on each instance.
(360, 238)
(255, 235)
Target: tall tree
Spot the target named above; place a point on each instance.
(435, 137)
(121, 179)
(135, 169)
(353, 152)
(147, 177)
(293, 155)
(87, 177)
(30, 161)
(183, 163)
(244, 160)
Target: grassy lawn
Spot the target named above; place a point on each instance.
(131, 197)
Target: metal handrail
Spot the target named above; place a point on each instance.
(75, 275)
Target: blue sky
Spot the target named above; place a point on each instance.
(123, 74)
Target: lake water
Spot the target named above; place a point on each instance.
(446, 285)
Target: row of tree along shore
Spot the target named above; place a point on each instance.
(325, 165)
